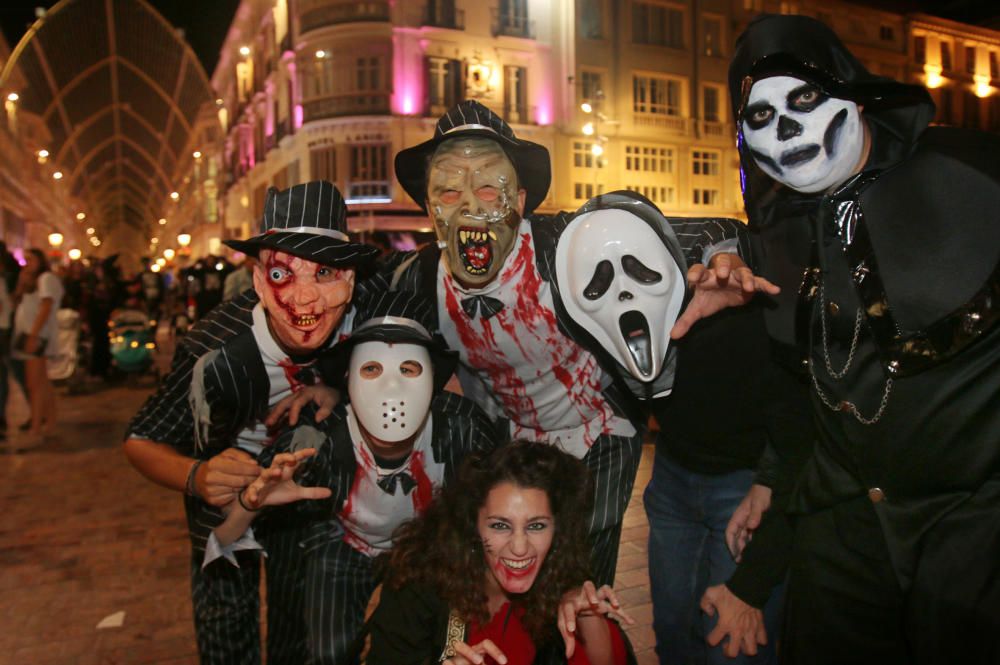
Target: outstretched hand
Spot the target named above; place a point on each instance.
(743, 624)
(587, 601)
(221, 478)
(726, 282)
(276, 484)
(324, 397)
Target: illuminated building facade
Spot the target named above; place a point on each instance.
(624, 93)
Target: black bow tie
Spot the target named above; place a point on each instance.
(388, 483)
(486, 306)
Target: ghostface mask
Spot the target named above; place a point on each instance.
(619, 281)
(800, 136)
(474, 200)
(391, 387)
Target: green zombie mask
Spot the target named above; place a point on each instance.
(474, 201)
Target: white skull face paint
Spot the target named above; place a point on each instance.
(391, 387)
(800, 136)
(620, 283)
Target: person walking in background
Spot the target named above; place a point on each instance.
(40, 294)
(238, 280)
(104, 296)
(8, 280)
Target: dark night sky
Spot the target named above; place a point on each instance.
(204, 22)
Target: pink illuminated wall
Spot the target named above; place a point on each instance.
(407, 73)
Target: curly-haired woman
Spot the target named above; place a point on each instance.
(496, 571)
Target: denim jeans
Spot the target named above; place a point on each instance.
(687, 514)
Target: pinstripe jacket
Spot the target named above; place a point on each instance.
(236, 391)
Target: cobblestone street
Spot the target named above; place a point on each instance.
(84, 538)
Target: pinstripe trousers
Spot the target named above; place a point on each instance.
(339, 583)
(613, 462)
(226, 602)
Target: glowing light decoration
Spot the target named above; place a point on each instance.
(57, 175)
(80, 216)
(407, 75)
(297, 116)
(74, 254)
(168, 254)
(162, 221)
(90, 231)
(184, 239)
(12, 97)
(161, 262)
(196, 154)
(245, 51)
(55, 239)
(156, 267)
(174, 196)
(982, 87)
(588, 129)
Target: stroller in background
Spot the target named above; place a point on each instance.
(67, 358)
(133, 342)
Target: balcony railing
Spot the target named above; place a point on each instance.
(714, 130)
(512, 25)
(671, 123)
(344, 12)
(376, 103)
(453, 19)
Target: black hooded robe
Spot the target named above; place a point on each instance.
(903, 301)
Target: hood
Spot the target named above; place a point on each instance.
(803, 47)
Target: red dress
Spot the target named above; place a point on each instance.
(507, 632)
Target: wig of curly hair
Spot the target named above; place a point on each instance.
(442, 549)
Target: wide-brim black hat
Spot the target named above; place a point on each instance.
(392, 317)
(472, 119)
(309, 221)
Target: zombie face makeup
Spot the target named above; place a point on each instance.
(304, 300)
(391, 387)
(621, 284)
(516, 526)
(475, 203)
(800, 136)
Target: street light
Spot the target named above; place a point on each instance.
(55, 239)
(156, 267)
(168, 254)
(154, 240)
(13, 97)
(90, 230)
(588, 129)
(184, 239)
(75, 254)
(174, 196)
(245, 51)
(196, 154)
(162, 221)
(161, 262)
(57, 175)
(80, 216)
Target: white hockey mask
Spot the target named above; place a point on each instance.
(391, 387)
(620, 283)
(800, 136)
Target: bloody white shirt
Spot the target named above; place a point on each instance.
(522, 365)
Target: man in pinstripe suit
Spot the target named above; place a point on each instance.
(492, 274)
(382, 456)
(202, 431)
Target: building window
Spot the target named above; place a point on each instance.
(711, 28)
(711, 110)
(944, 114)
(244, 80)
(649, 159)
(994, 65)
(591, 87)
(369, 172)
(657, 95)
(886, 33)
(946, 56)
(705, 162)
(589, 19)
(369, 74)
(657, 25)
(322, 164)
(444, 84)
(970, 59)
(515, 94)
(512, 19)
(583, 156)
(920, 49)
(657, 194)
(705, 197)
(584, 191)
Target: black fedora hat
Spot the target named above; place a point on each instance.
(310, 221)
(472, 119)
(392, 317)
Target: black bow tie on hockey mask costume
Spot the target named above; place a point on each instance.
(798, 96)
(476, 180)
(621, 276)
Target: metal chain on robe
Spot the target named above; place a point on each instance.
(844, 406)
